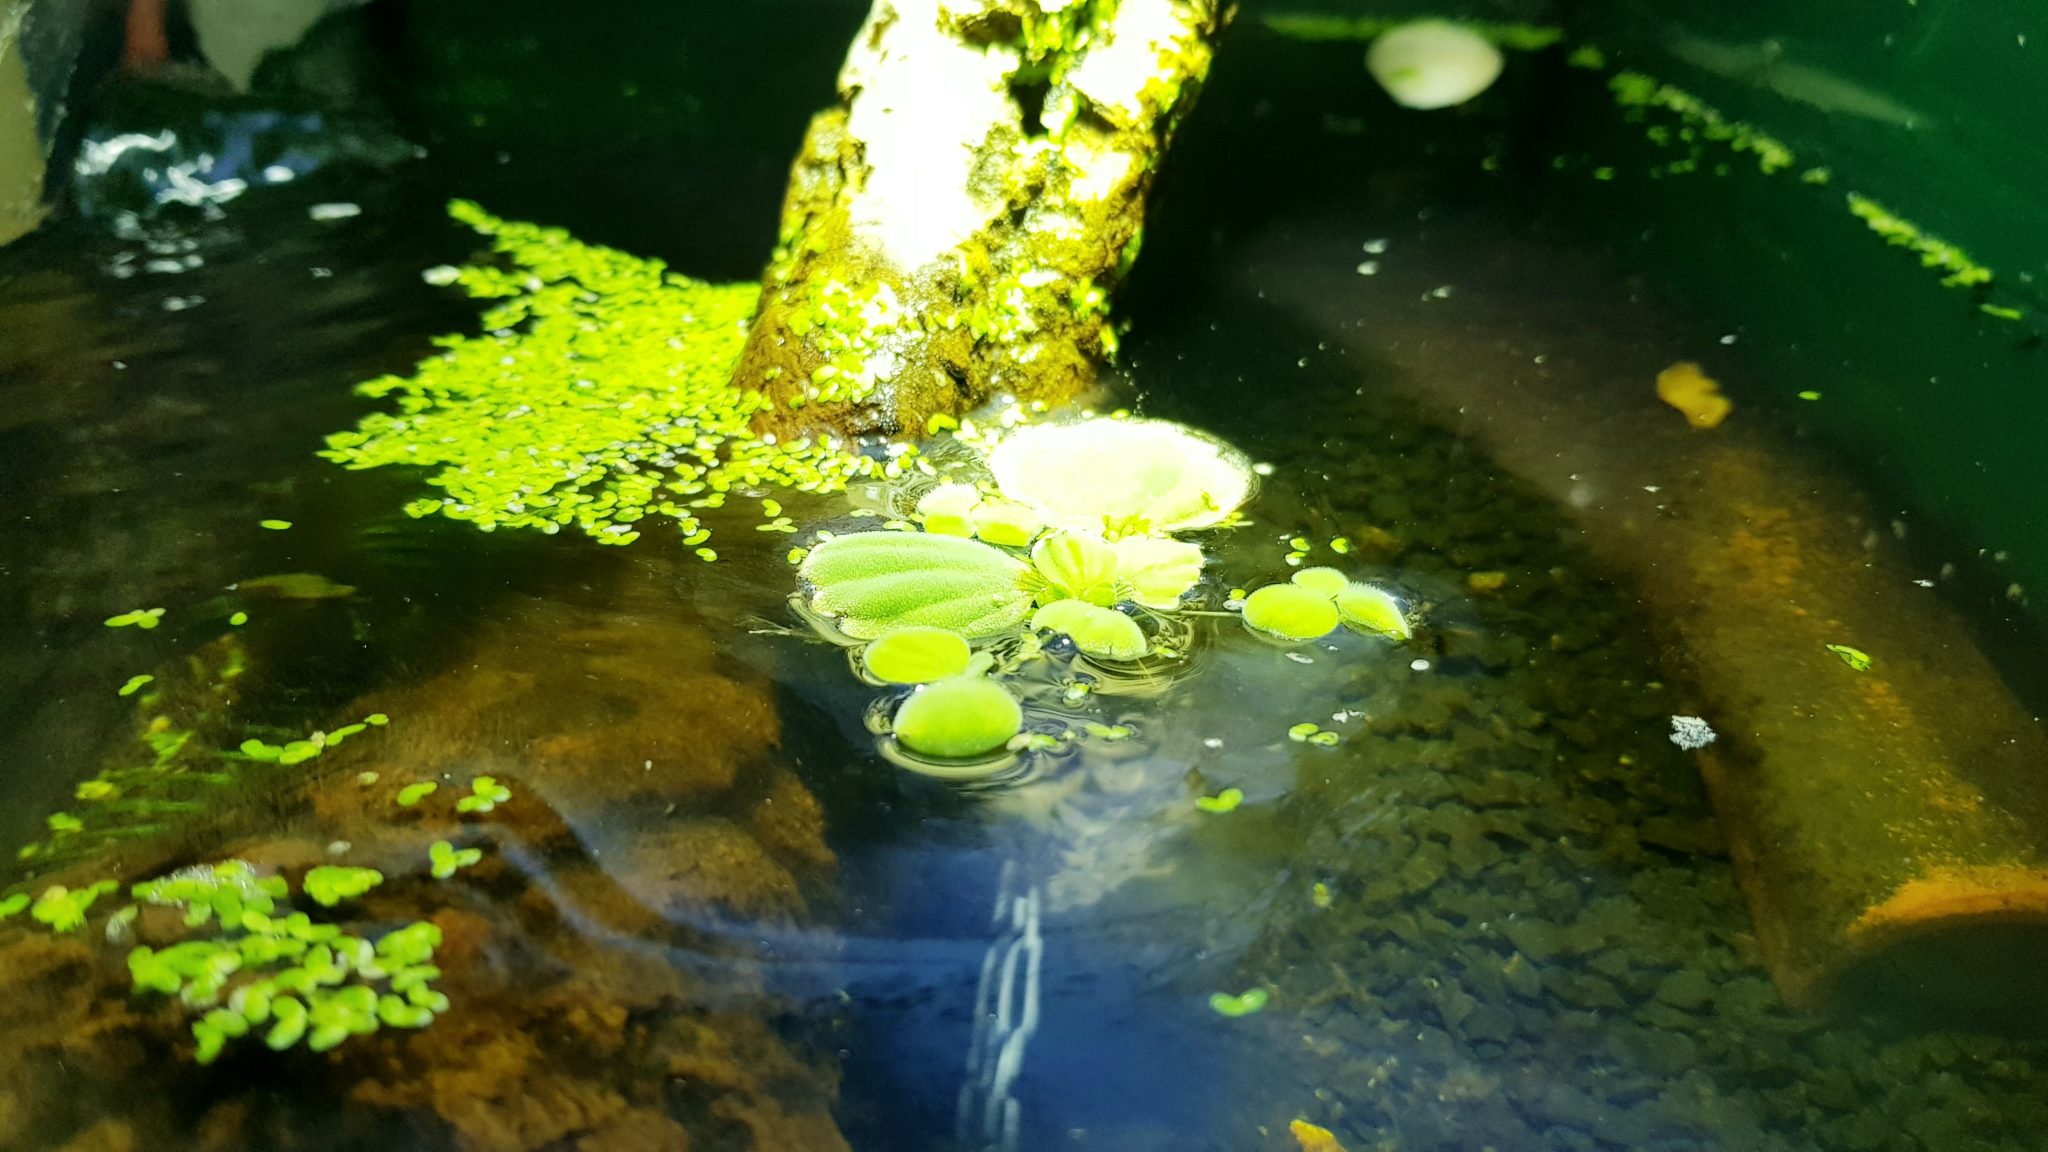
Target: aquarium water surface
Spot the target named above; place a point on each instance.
(339, 820)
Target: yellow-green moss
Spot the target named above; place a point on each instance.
(1958, 270)
(1698, 121)
(599, 393)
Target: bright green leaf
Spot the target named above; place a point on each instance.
(958, 718)
(1104, 633)
(916, 655)
(871, 582)
(1290, 612)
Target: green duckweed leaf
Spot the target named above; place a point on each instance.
(329, 884)
(134, 684)
(958, 718)
(1374, 609)
(274, 525)
(916, 654)
(1224, 801)
(412, 794)
(1250, 1002)
(1290, 612)
(1156, 571)
(1122, 477)
(1104, 633)
(871, 582)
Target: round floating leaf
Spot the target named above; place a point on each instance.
(958, 718)
(1327, 581)
(1007, 523)
(874, 581)
(1103, 633)
(916, 655)
(1122, 477)
(1077, 565)
(1157, 571)
(1290, 612)
(950, 500)
(1375, 610)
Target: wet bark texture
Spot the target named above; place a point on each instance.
(954, 226)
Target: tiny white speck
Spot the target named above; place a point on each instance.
(1369, 268)
(1262, 469)
(277, 174)
(1418, 665)
(441, 275)
(1213, 742)
(1298, 658)
(337, 211)
(1652, 488)
(1375, 247)
(321, 273)
(339, 848)
(1924, 583)
(1728, 339)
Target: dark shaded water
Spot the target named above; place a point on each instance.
(1497, 914)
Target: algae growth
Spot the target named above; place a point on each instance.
(599, 394)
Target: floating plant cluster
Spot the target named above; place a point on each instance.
(1057, 546)
(598, 394)
(284, 975)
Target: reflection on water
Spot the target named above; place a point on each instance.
(1494, 911)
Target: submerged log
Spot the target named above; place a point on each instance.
(954, 226)
(1888, 818)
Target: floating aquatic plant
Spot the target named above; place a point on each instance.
(444, 860)
(485, 794)
(298, 751)
(1327, 582)
(413, 793)
(329, 884)
(1122, 477)
(600, 393)
(63, 909)
(143, 618)
(871, 582)
(304, 980)
(1103, 633)
(1075, 564)
(1290, 612)
(1244, 1004)
(1374, 609)
(962, 510)
(1154, 572)
(958, 718)
(916, 654)
(1224, 801)
(134, 684)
